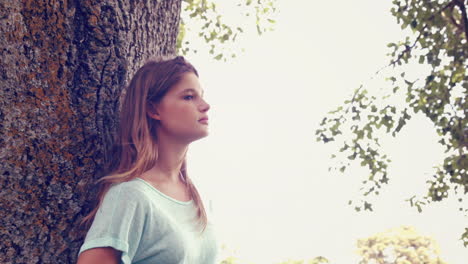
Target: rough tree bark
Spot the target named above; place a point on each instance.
(63, 65)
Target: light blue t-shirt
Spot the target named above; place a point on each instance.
(150, 227)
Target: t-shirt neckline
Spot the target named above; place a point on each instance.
(165, 195)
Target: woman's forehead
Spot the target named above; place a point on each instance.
(188, 83)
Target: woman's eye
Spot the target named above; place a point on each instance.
(188, 97)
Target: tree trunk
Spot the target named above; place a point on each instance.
(63, 65)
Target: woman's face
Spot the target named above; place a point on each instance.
(181, 109)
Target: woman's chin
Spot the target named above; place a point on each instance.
(196, 137)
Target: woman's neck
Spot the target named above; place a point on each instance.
(171, 155)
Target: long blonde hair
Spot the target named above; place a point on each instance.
(135, 149)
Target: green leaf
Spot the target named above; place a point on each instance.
(342, 169)
(421, 59)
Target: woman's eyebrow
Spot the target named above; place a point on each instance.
(193, 90)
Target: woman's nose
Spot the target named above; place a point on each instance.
(205, 106)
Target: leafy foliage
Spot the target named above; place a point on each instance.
(205, 19)
(316, 260)
(438, 38)
(229, 256)
(399, 246)
(230, 260)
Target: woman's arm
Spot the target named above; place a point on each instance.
(101, 255)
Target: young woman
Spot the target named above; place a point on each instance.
(149, 210)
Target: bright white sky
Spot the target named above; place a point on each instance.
(267, 176)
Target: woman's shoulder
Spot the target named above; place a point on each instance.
(132, 189)
(130, 184)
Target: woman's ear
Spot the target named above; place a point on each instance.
(152, 111)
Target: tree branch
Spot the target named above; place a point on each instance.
(408, 49)
(462, 7)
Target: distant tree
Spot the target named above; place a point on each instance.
(230, 256)
(438, 38)
(230, 260)
(401, 245)
(316, 260)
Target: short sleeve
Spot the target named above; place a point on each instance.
(119, 223)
